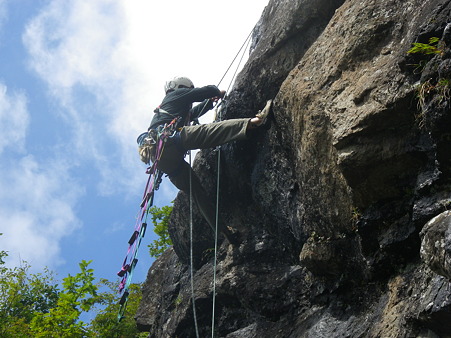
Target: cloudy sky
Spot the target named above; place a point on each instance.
(79, 80)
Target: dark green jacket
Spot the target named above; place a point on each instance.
(180, 103)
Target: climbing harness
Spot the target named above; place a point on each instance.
(158, 137)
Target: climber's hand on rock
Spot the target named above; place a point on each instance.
(221, 96)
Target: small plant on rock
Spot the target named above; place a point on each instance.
(433, 47)
(425, 92)
(160, 220)
(427, 50)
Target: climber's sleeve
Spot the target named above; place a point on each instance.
(201, 109)
(202, 93)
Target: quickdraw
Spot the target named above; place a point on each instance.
(153, 183)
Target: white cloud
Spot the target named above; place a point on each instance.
(14, 120)
(104, 63)
(75, 47)
(121, 53)
(36, 211)
(36, 201)
(71, 43)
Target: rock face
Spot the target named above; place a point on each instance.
(342, 204)
(436, 244)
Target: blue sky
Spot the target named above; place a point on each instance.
(79, 80)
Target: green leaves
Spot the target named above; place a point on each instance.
(426, 48)
(105, 323)
(34, 305)
(22, 295)
(160, 220)
(79, 294)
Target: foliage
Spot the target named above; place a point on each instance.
(426, 48)
(79, 295)
(160, 220)
(105, 323)
(2, 255)
(434, 47)
(427, 90)
(22, 295)
(437, 91)
(34, 305)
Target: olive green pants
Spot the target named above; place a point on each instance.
(201, 136)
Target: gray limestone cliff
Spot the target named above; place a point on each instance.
(342, 204)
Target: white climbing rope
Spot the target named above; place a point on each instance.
(217, 191)
(191, 247)
(216, 249)
(246, 43)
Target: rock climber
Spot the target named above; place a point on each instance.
(178, 104)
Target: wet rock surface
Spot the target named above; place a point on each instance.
(342, 204)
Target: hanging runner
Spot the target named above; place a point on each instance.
(156, 142)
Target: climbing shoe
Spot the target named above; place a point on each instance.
(263, 114)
